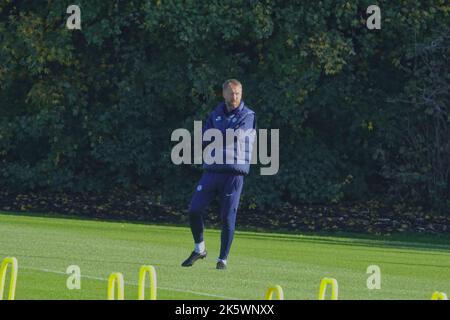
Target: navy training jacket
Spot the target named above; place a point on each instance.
(236, 157)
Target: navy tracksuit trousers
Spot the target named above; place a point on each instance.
(228, 186)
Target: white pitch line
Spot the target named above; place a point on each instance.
(135, 284)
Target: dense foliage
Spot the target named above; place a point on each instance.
(362, 113)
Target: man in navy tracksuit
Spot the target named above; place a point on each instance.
(226, 178)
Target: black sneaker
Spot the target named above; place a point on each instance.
(192, 258)
(220, 265)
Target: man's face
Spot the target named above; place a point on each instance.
(233, 95)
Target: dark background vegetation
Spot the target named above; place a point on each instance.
(363, 114)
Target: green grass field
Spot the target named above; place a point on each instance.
(45, 247)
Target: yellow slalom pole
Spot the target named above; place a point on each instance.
(323, 288)
(152, 273)
(439, 296)
(12, 285)
(114, 278)
(275, 289)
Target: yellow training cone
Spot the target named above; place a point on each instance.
(278, 290)
(12, 284)
(439, 296)
(115, 278)
(323, 288)
(152, 273)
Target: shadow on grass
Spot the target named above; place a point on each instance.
(410, 241)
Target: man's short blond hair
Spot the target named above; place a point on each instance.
(227, 83)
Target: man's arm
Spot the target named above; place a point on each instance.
(248, 123)
(246, 137)
(208, 124)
